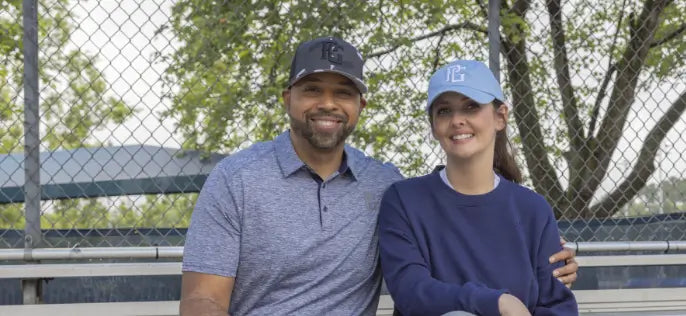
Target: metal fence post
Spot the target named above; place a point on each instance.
(32, 232)
(494, 37)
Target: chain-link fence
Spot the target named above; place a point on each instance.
(136, 101)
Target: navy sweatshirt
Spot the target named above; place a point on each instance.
(443, 251)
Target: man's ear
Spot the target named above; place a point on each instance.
(363, 103)
(501, 117)
(286, 95)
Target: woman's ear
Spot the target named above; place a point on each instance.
(501, 114)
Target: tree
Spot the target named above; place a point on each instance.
(233, 65)
(77, 213)
(234, 58)
(643, 42)
(163, 210)
(73, 92)
(668, 196)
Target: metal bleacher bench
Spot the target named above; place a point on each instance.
(649, 301)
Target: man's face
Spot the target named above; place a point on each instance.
(323, 109)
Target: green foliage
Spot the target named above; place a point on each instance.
(74, 99)
(152, 211)
(667, 60)
(12, 216)
(170, 210)
(76, 213)
(668, 196)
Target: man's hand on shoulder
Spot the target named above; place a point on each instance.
(567, 273)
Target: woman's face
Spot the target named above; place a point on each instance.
(464, 128)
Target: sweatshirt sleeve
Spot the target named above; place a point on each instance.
(554, 297)
(407, 275)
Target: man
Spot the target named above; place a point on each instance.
(289, 226)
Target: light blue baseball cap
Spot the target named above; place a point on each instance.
(470, 78)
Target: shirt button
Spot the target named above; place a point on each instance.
(325, 209)
(323, 185)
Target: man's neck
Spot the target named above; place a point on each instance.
(323, 162)
(471, 177)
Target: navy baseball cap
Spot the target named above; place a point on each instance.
(470, 78)
(328, 54)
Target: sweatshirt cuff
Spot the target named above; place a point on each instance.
(486, 301)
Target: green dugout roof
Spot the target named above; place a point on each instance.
(108, 171)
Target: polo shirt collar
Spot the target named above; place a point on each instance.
(285, 154)
(289, 162)
(351, 161)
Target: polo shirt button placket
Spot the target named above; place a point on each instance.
(324, 210)
(325, 218)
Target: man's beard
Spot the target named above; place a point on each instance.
(321, 140)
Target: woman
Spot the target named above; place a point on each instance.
(468, 237)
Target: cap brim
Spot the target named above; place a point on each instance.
(358, 83)
(476, 95)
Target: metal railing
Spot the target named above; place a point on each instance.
(177, 252)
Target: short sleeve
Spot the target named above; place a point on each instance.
(214, 235)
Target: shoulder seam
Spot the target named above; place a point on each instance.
(241, 159)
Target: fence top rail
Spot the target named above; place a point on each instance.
(177, 252)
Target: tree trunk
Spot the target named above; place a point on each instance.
(642, 31)
(645, 165)
(540, 168)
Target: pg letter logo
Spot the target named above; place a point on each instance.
(332, 52)
(455, 73)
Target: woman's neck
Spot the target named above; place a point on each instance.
(471, 177)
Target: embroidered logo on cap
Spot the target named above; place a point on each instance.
(455, 73)
(331, 52)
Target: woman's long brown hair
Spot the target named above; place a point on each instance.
(504, 162)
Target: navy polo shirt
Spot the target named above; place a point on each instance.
(296, 243)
